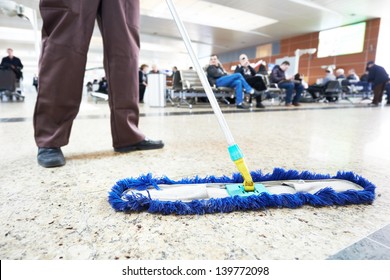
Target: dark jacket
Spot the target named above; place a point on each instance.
(377, 75)
(14, 64)
(241, 70)
(142, 77)
(213, 73)
(277, 75)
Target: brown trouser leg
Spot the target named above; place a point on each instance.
(378, 93)
(66, 33)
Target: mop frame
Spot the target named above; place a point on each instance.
(123, 200)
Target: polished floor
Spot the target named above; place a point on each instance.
(63, 213)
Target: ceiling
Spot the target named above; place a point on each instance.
(215, 26)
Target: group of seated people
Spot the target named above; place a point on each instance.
(102, 85)
(374, 79)
(349, 83)
(246, 79)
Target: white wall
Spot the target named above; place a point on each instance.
(382, 52)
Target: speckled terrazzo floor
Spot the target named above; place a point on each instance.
(63, 213)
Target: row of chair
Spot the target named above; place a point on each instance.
(187, 85)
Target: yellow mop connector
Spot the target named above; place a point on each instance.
(238, 158)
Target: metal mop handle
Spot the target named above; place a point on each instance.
(235, 152)
(201, 74)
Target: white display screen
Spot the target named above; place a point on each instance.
(342, 40)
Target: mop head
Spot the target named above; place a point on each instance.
(281, 188)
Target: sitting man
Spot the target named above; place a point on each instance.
(319, 88)
(340, 74)
(278, 76)
(249, 73)
(218, 76)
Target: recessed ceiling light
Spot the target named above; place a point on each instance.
(210, 14)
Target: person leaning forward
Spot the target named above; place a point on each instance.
(278, 76)
(66, 33)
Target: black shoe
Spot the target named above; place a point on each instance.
(242, 105)
(50, 157)
(145, 144)
(296, 104)
(260, 105)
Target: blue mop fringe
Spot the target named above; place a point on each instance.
(131, 202)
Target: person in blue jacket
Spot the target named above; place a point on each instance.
(378, 76)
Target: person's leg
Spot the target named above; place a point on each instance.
(119, 24)
(142, 89)
(244, 83)
(229, 80)
(378, 92)
(256, 82)
(237, 84)
(66, 32)
(225, 81)
(315, 91)
(298, 92)
(289, 87)
(387, 88)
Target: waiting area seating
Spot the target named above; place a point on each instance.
(187, 85)
(273, 91)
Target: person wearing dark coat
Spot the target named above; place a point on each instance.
(249, 73)
(13, 63)
(278, 76)
(378, 76)
(143, 81)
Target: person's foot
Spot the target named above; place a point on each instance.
(260, 105)
(296, 104)
(50, 157)
(243, 105)
(289, 105)
(145, 144)
(373, 104)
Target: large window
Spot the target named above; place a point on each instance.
(342, 40)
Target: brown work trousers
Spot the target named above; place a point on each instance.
(378, 93)
(66, 33)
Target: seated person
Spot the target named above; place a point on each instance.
(249, 74)
(352, 76)
(340, 74)
(262, 68)
(344, 82)
(364, 84)
(299, 78)
(278, 76)
(317, 89)
(154, 69)
(364, 77)
(103, 86)
(218, 76)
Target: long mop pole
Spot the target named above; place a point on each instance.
(235, 152)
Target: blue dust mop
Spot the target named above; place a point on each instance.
(283, 189)
(240, 192)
